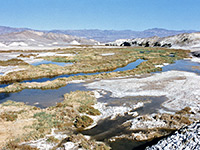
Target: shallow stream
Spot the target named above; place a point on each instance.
(130, 66)
(106, 128)
(49, 97)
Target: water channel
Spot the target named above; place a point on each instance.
(105, 128)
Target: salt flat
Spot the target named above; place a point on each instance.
(181, 88)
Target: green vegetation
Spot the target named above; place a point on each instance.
(90, 60)
(65, 116)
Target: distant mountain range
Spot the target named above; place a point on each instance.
(4, 29)
(105, 35)
(112, 35)
(30, 38)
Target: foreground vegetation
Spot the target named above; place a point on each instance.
(34, 123)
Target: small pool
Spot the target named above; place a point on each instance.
(182, 65)
(51, 62)
(41, 98)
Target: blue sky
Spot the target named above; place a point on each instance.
(101, 14)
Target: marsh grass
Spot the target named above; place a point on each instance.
(60, 59)
(52, 139)
(13, 62)
(82, 122)
(28, 55)
(13, 145)
(8, 116)
(64, 116)
(89, 110)
(83, 143)
(90, 60)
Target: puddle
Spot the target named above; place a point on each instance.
(130, 66)
(44, 98)
(108, 128)
(51, 62)
(152, 103)
(182, 65)
(150, 107)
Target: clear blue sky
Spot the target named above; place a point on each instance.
(101, 14)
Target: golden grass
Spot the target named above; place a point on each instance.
(90, 60)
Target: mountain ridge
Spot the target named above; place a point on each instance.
(31, 38)
(105, 35)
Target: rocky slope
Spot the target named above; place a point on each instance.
(196, 53)
(184, 41)
(185, 138)
(31, 38)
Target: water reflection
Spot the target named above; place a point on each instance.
(51, 62)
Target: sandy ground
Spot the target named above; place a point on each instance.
(13, 130)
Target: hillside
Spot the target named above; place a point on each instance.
(184, 41)
(41, 39)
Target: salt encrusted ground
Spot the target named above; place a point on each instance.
(195, 59)
(16, 55)
(107, 54)
(44, 144)
(30, 60)
(181, 88)
(6, 69)
(113, 111)
(187, 138)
